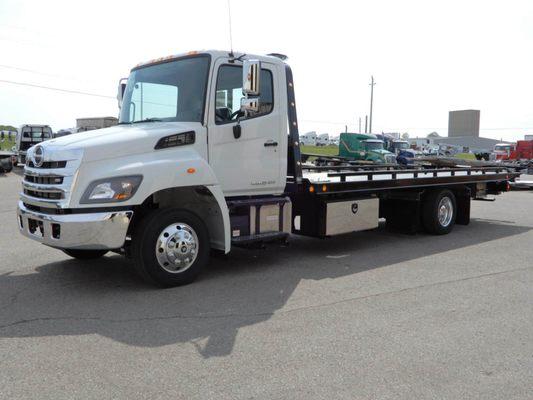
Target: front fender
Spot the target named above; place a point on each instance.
(160, 170)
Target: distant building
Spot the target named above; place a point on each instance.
(420, 143)
(463, 123)
(463, 132)
(89, 124)
(469, 143)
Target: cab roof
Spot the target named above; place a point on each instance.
(214, 54)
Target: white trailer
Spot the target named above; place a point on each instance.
(322, 139)
(308, 139)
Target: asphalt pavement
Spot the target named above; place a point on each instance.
(369, 315)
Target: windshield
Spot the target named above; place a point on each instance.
(172, 91)
(401, 145)
(37, 133)
(503, 148)
(374, 146)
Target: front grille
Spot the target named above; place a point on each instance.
(50, 185)
(43, 195)
(47, 210)
(390, 159)
(44, 180)
(48, 164)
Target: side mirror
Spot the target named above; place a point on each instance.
(251, 72)
(121, 90)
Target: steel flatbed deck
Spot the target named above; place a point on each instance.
(345, 179)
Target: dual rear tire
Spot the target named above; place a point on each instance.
(439, 211)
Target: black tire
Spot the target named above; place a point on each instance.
(6, 165)
(430, 212)
(145, 238)
(84, 254)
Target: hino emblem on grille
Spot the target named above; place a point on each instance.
(38, 156)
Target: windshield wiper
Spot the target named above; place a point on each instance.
(147, 120)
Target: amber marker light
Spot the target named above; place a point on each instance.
(191, 170)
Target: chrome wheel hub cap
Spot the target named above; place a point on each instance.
(445, 211)
(176, 248)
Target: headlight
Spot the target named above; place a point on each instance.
(110, 190)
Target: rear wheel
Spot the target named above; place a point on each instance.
(170, 247)
(84, 254)
(439, 211)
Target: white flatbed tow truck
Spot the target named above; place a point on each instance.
(206, 157)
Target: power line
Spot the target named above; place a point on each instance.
(32, 71)
(57, 89)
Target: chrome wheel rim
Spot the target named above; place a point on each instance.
(445, 211)
(177, 248)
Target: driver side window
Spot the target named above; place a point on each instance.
(229, 94)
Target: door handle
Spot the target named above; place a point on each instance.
(271, 143)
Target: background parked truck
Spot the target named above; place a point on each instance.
(364, 147)
(28, 136)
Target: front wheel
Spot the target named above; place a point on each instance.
(439, 211)
(84, 254)
(170, 247)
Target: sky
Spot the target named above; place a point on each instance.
(427, 57)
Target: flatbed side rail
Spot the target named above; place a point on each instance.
(416, 173)
(343, 186)
(353, 166)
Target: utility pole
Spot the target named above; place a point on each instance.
(372, 83)
(366, 123)
(360, 125)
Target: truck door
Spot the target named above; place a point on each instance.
(254, 163)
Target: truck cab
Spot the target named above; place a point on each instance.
(502, 151)
(189, 136)
(366, 147)
(28, 136)
(399, 146)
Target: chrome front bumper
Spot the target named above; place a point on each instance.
(91, 231)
